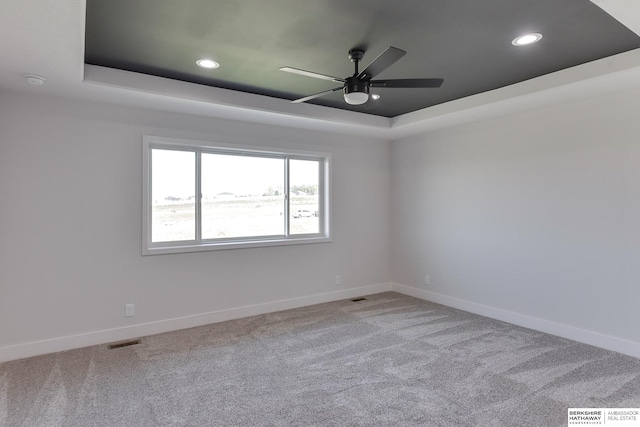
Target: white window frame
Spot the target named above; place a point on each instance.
(199, 244)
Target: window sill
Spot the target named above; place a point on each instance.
(160, 250)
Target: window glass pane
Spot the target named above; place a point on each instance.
(304, 203)
(173, 204)
(242, 196)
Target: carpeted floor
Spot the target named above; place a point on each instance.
(391, 360)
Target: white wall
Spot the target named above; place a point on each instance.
(536, 214)
(70, 226)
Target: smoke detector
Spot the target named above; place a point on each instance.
(34, 79)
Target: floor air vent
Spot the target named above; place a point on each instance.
(359, 299)
(123, 344)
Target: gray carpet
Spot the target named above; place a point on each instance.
(391, 360)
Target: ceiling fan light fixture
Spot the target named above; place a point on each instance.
(356, 92)
(356, 98)
(526, 39)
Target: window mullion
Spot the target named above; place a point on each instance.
(198, 196)
(287, 231)
(321, 196)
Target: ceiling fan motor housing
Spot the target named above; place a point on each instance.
(353, 84)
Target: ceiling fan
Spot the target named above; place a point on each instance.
(356, 87)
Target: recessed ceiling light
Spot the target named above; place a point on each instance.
(526, 39)
(207, 63)
(375, 96)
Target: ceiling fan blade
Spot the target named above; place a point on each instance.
(307, 98)
(311, 74)
(407, 83)
(381, 63)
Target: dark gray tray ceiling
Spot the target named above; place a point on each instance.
(466, 42)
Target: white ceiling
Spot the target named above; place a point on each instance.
(47, 38)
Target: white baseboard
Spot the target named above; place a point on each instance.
(597, 339)
(35, 348)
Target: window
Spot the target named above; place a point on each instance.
(200, 197)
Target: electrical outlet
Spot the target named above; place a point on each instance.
(427, 280)
(129, 310)
(338, 280)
